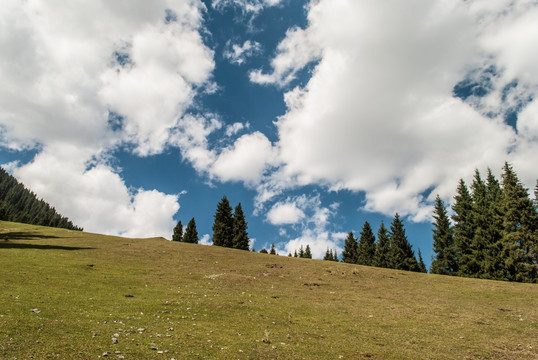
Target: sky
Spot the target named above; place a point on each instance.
(316, 116)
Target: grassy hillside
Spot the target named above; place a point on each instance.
(72, 295)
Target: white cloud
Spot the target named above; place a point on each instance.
(235, 128)
(238, 54)
(65, 67)
(285, 213)
(378, 114)
(247, 6)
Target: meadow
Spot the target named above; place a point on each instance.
(73, 295)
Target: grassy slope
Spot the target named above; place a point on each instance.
(207, 302)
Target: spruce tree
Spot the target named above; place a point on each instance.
(349, 255)
(223, 225)
(335, 256)
(444, 261)
(301, 251)
(493, 265)
(240, 238)
(263, 251)
(463, 230)
(401, 252)
(178, 232)
(272, 251)
(382, 250)
(520, 230)
(480, 218)
(328, 255)
(191, 234)
(366, 246)
(421, 265)
(307, 252)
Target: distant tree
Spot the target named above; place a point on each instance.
(382, 251)
(263, 251)
(401, 252)
(349, 255)
(329, 255)
(463, 230)
(223, 225)
(301, 251)
(272, 251)
(289, 255)
(366, 246)
(295, 254)
(191, 234)
(421, 265)
(520, 229)
(240, 235)
(444, 261)
(335, 256)
(178, 232)
(307, 252)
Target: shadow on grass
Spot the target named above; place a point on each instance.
(9, 241)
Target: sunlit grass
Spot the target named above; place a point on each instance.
(73, 295)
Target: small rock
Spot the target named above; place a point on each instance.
(153, 348)
(160, 352)
(35, 311)
(106, 353)
(114, 340)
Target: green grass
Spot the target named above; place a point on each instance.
(66, 294)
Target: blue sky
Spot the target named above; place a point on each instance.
(316, 115)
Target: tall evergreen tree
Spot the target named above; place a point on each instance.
(493, 266)
(421, 265)
(307, 252)
(401, 251)
(223, 233)
(191, 234)
(178, 232)
(480, 218)
(301, 251)
(272, 251)
(382, 251)
(366, 246)
(335, 256)
(520, 229)
(240, 235)
(349, 255)
(328, 255)
(444, 261)
(463, 229)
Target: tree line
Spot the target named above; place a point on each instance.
(229, 228)
(391, 250)
(18, 204)
(493, 233)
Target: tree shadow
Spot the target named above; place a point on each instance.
(17, 235)
(14, 245)
(9, 241)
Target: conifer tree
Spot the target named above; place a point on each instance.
(444, 261)
(263, 251)
(480, 217)
(295, 253)
(421, 265)
(240, 239)
(349, 255)
(178, 232)
(463, 230)
(382, 250)
(301, 251)
(223, 225)
(401, 252)
(493, 266)
(520, 230)
(191, 234)
(366, 246)
(272, 251)
(328, 255)
(307, 252)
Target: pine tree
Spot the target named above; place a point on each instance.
(520, 230)
(401, 252)
(178, 232)
(240, 239)
(463, 230)
(349, 255)
(191, 234)
(382, 250)
(263, 251)
(301, 251)
(328, 255)
(421, 265)
(335, 256)
(307, 252)
(295, 253)
(444, 261)
(480, 218)
(272, 251)
(493, 265)
(366, 246)
(223, 224)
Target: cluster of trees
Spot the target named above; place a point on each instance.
(19, 204)
(304, 253)
(391, 250)
(494, 233)
(330, 255)
(190, 235)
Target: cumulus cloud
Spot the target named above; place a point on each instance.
(285, 213)
(238, 54)
(247, 6)
(379, 113)
(82, 78)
